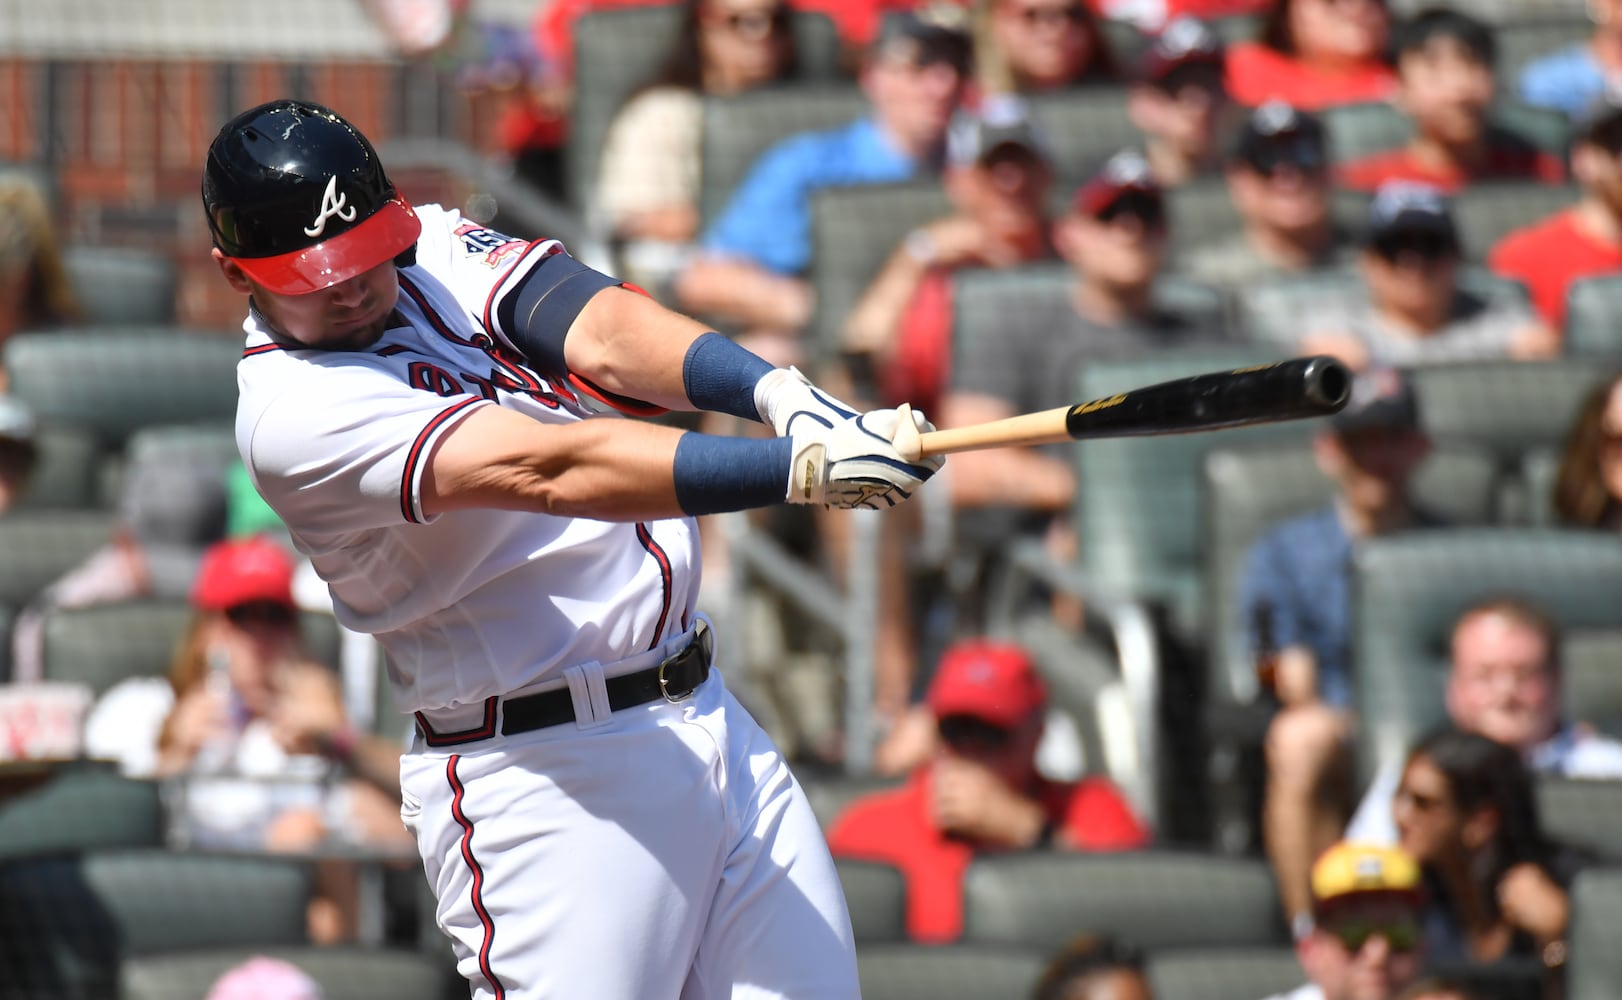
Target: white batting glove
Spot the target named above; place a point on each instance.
(854, 464)
(789, 402)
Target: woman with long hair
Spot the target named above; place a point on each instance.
(34, 289)
(1028, 46)
(648, 186)
(1466, 810)
(1588, 487)
(1314, 54)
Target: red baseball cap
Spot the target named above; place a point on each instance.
(242, 571)
(993, 681)
(1122, 173)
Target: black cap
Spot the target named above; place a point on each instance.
(935, 33)
(1405, 208)
(1380, 399)
(1276, 133)
(1185, 41)
(297, 197)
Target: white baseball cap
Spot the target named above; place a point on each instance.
(16, 423)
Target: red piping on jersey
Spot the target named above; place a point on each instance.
(457, 791)
(418, 447)
(483, 731)
(530, 383)
(645, 536)
(261, 349)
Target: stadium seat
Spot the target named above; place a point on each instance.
(67, 924)
(100, 646)
(1157, 899)
(1083, 126)
(1592, 681)
(854, 231)
(41, 545)
(1534, 486)
(1531, 29)
(84, 806)
(951, 972)
(877, 897)
(115, 381)
(1229, 974)
(830, 796)
(1594, 967)
(1410, 589)
(1592, 307)
(344, 972)
(1583, 814)
(1248, 491)
(1360, 130)
(737, 130)
(616, 51)
(1201, 213)
(123, 287)
(1487, 211)
(1507, 407)
(65, 477)
(171, 485)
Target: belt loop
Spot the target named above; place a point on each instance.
(590, 695)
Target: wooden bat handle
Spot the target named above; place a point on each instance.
(1042, 427)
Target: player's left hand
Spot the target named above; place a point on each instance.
(789, 402)
(969, 800)
(855, 463)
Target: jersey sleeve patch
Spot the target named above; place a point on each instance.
(489, 247)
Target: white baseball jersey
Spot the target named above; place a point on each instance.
(473, 603)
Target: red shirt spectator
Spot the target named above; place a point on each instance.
(1315, 53)
(1258, 74)
(981, 793)
(1507, 157)
(1152, 15)
(1548, 256)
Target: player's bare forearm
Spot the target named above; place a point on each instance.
(604, 469)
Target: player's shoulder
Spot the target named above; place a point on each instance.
(451, 241)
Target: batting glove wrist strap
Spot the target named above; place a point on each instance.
(789, 402)
(854, 464)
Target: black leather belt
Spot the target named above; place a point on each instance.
(674, 679)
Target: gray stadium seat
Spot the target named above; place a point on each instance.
(1410, 589)
(1229, 974)
(1539, 468)
(1508, 407)
(952, 972)
(1594, 967)
(1592, 683)
(84, 806)
(115, 381)
(877, 897)
(616, 51)
(1592, 308)
(1487, 211)
(1533, 29)
(1584, 814)
(737, 130)
(100, 646)
(344, 972)
(1360, 130)
(830, 796)
(37, 546)
(1082, 126)
(171, 485)
(1201, 212)
(116, 286)
(67, 924)
(65, 477)
(1156, 899)
(854, 231)
(1248, 491)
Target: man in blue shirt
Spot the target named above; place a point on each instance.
(749, 272)
(1574, 78)
(1297, 580)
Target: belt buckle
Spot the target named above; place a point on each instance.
(697, 646)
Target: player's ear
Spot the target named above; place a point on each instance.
(234, 275)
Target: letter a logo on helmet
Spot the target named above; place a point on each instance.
(297, 198)
(332, 203)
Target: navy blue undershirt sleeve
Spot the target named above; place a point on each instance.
(537, 314)
(714, 475)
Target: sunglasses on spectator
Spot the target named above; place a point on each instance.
(1147, 208)
(754, 24)
(967, 734)
(1052, 16)
(1198, 76)
(259, 613)
(1401, 935)
(1428, 247)
(1300, 154)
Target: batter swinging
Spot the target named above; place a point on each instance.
(596, 815)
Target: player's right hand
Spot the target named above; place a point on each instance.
(854, 464)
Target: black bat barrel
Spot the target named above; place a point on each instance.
(1288, 390)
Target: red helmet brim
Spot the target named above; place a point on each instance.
(388, 232)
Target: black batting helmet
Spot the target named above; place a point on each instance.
(297, 198)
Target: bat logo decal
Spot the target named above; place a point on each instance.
(1098, 404)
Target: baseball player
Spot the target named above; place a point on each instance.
(596, 815)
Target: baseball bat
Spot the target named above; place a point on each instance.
(1286, 390)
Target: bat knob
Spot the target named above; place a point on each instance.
(908, 443)
(1328, 383)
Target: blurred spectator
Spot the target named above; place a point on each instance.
(1412, 310)
(980, 793)
(18, 453)
(1114, 237)
(1504, 684)
(416, 27)
(1588, 488)
(1437, 989)
(1179, 99)
(1445, 67)
(262, 978)
(1572, 79)
(1295, 596)
(1025, 46)
(1278, 178)
(1583, 240)
(1151, 16)
(648, 189)
(1466, 811)
(34, 288)
(998, 176)
(1094, 968)
(1365, 938)
(1315, 53)
(755, 253)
